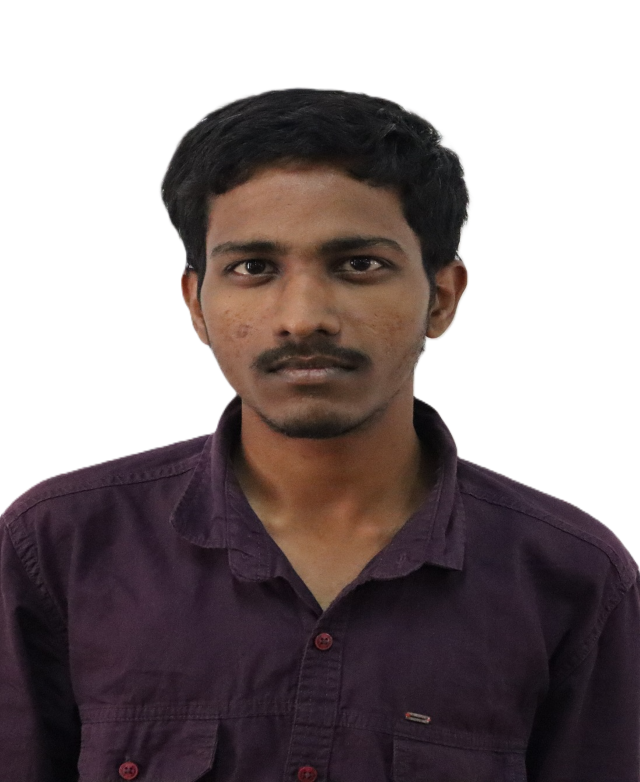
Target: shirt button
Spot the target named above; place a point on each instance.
(128, 770)
(307, 774)
(323, 641)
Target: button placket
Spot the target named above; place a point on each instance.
(317, 698)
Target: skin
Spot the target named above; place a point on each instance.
(333, 468)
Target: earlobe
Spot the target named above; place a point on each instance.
(189, 284)
(436, 328)
(184, 283)
(451, 282)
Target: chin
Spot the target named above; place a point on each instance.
(316, 425)
(311, 429)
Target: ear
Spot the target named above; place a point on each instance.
(190, 294)
(451, 281)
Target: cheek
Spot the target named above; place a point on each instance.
(230, 333)
(243, 330)
(395, 334)
(405, 337)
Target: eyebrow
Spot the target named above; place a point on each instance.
(339, 244)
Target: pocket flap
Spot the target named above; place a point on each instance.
(415, 759)
(169, 750)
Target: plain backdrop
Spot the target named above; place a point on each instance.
(537, 378)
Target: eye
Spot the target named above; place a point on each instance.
(254, 267)
(361, 264)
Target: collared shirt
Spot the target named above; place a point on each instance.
(151, 629)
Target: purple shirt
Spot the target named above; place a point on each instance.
(151, 629)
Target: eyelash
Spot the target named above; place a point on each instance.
(383, 264)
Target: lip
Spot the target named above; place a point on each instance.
(311, 375)
(312, 363)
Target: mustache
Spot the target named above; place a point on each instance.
(265, 361)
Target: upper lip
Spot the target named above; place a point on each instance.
(314, 362)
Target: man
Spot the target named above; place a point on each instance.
(321, 590)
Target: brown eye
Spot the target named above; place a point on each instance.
(252, 267)
(362, 264)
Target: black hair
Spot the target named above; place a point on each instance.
(372, 139)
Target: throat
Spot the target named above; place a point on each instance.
(329, 540)
(327, 566)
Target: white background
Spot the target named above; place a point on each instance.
(536, 379)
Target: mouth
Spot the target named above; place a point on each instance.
(311, 370)
(310, 364)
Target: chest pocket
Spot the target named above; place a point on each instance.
(417, 760)
(158, 750)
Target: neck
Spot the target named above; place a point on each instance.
(370, 479)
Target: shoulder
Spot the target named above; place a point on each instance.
(90, 484)
(65, 524)
(550, 521)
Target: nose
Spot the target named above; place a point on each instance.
(305, 305)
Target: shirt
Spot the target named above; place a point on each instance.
(151, 628)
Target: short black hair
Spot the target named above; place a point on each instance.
(372, 139)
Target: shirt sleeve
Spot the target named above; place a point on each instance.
(588, 728)
(39, 723)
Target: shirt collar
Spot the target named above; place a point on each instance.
(213, 511)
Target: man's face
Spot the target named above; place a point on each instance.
(305, 262)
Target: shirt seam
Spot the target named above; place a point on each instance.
(27, 557)
(355, 719)
(105, 715)
(25, 547)
(626, 580)
(581, 653)
(627, 575)
(11, 515)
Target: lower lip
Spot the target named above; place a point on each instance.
(311, 375)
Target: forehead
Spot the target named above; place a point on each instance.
(297, 200)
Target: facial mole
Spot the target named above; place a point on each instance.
(243, 330)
